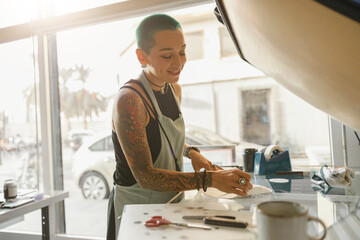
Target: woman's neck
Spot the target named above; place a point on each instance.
(155, 84)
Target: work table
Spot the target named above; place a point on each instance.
(335, 209)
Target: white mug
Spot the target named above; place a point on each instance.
(282, 220)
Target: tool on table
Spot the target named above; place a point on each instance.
(271, 160)
(201, 217)
(225, 222)
(178, 194)
(293, 173)
(156, 221)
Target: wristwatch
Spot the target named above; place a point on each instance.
(188, 150)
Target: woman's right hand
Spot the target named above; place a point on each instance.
(228, 181)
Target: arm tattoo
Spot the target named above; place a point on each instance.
(165, 180)
(130, 124)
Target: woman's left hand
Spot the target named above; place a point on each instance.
(199, 161)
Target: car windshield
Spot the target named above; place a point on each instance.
(207, 137)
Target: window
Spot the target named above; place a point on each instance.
(20, 155)
(90, 72)
(21, 11)
(227, 47)
(255, 115)
(194, 45)
(95, 61)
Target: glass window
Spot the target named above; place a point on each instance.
(194, 45)
(20, 155)
(17, 11)
(227, 47)
(21, 11)
(256, 125)
(94, 62)
(191, 141)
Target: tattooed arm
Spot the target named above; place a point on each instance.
(130, 119)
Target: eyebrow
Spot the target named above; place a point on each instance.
(169, 49)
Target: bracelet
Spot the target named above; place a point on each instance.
(204, 183)
(197, 181)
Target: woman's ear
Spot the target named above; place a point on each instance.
(141, 56)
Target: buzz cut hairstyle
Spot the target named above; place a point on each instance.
(149, 26)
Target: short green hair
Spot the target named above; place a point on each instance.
(149, 26)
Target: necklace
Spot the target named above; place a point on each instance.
(162, 88)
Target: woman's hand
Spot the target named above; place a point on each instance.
(198, 162)
(228, 181)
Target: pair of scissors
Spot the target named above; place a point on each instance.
(156, 221)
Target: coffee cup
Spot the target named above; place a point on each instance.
(283, 220)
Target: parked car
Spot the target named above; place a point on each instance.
(77, 137)
(94, 165)
(94, 162)
(200, 136)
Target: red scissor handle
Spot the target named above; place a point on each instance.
(156, 221)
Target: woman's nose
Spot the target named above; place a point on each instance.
(177, 61)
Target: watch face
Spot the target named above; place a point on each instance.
(188, 150)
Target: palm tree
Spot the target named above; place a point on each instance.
(73, 103)
(93, 102)
(29, 97)
(66, 97)
(83, 74)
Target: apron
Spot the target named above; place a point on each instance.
(175, 134)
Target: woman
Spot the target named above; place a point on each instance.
(148, 127)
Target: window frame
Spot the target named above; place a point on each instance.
(45, 31)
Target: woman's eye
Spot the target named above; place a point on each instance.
(182, 54)
(166, 57)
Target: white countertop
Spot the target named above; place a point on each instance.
(134, 217)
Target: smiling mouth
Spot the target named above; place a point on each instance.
(174, 73)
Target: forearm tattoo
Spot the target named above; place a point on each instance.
(132, 119)
(164, 180)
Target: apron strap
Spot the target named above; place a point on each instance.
(150, 108)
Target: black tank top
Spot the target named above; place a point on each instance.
(167, 104)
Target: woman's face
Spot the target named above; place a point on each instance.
(167, 58)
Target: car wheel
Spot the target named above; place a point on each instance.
(93, 186)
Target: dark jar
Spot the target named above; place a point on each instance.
(249, 157)
(10, 189)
